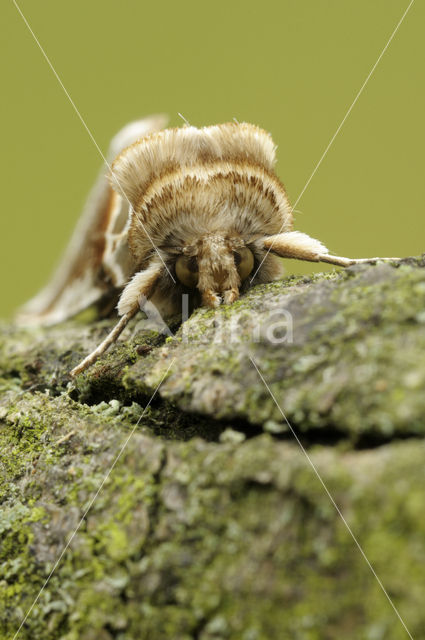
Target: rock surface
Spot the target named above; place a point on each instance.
(215, 522)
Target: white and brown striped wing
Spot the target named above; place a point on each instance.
(188, 181)
(97, 259)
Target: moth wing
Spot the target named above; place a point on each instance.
(97, 260)
(138, 165)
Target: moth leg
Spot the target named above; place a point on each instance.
(229, 292)
(207, 285)
(210, 298)
(140, 286)
(294, 244)
(136, 291)
(230, 295)
(230, 287)
(347, 262)
(110, 338)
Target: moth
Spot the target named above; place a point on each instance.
(184, 210)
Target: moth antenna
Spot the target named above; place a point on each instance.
(110, 339)
(184, 119)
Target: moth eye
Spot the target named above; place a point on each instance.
(187, 271)
(244, 261)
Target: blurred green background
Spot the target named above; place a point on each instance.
(290, 66)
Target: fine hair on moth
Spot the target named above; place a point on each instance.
(184, 210)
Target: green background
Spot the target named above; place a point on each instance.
(292, 67)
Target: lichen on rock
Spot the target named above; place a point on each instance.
(212, 523)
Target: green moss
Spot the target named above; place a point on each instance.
(18, 572)
(352, 365)
(197, 538)
(236, 537)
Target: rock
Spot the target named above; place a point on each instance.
(208, 515)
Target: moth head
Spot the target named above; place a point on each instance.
(201, 199)
(216, 265)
